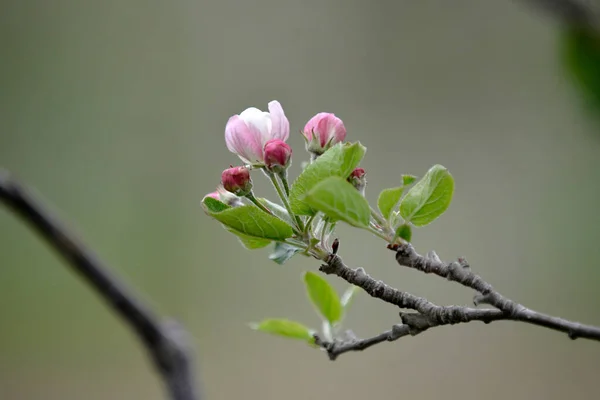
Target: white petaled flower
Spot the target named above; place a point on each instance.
(247, 133)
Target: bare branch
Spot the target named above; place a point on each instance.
(336, 348)
(461, 273)
(428, 314)
(166, 341)
(440, 315)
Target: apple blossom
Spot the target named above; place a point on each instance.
(247, 133)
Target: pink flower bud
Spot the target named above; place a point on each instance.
(237, 180)
(358, 179)
(278, 155)
(247, 133)
(323, 131)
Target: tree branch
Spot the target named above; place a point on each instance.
(336, 348)
(461, 273)
(428, 314)
(439, 315)
(166, 341)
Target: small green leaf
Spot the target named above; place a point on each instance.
(340, 160)
(404, 231)
(428, 198)
(323, 297)
(249, 242)
(285, 328)
(348, 296)
(283, 252)
(340, 201)
(388, 200)
(213, 205)
(249, 220)
(408, 179)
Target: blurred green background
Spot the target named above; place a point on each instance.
(115, 111)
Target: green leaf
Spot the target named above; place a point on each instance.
(249, 242)
(348, 296)
(249, 220)
(323, 297)
(340, 160)
(213, 205)
(340, 201)
(283, 252)
(285, 328)
(428, 198)
(408, 179)
(404, 231)
(388, 200)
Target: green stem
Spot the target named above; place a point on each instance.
(309, 222)
(284, 200)
(250, 196)
(299, 244)
(284, 181)
(378, 233)
(382, 222)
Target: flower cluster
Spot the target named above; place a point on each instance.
(259, 138)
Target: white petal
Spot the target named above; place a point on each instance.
(259, 119)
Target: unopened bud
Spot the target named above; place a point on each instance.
(278, 155)
(237, 180)
(358, 179)
(323, 131)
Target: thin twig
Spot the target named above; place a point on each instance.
(165, 340)
(412, 325)
(336, 348)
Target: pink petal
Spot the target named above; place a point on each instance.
(311, 126)
(325, 128)
(243, 140)
(280, 123)
(340, 131)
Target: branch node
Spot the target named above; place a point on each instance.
(453, 269)
(479, 299)
(397, 332)
(572, 335)
(417, 322)
(432, 255)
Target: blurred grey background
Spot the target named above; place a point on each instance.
(115, 111)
